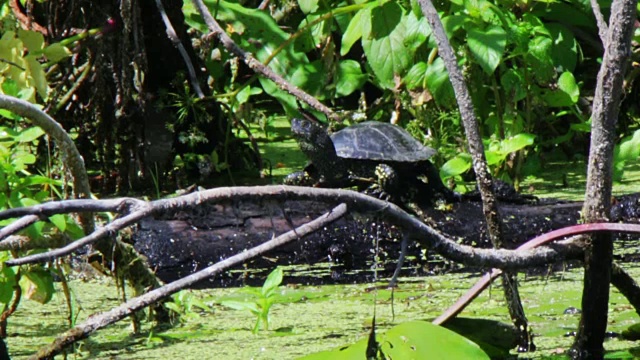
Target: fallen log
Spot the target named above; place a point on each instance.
(180, 243)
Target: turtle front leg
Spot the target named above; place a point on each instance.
(386, 183)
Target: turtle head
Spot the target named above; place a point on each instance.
(312, 137)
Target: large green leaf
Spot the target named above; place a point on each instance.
(383, 38)
(487, 46)
(456, 166)
(32, 40)
(411, 340)
(416, 76)
(517, 142)
(308, 6)
(627, 150)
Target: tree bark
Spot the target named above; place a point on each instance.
(598, 257)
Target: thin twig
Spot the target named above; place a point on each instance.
(99, 321)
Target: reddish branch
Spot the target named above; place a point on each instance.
(25, 21)
(484, 282)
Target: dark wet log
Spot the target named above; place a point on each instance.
(181, 243)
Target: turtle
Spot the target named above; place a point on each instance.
(380, 158)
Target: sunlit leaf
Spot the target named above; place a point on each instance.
(29, 134)
(273, 281)
(383, 39)
(456, 166)
(37, 285)
(308, 6)
(32, 40)
(354, 31)
(38, 76)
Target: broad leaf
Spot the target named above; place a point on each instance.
(517, 142)
(383, 43)
(539, 58)
(350, 77)
(487, 46)
(37, 285)
(308, 6)
(56, 52)
(273, 281)
(456, 166)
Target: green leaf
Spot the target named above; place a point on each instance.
(424, 340)
(7, 280)
(56, 52)
(311, 78)
(566, 94)
(627, 150)
(487, 46)
(239, 305)
(416, 76)
(38, 76)
(37, 285)
(565, 47)
(30, 134)
(418, 30)
(60, 221)
(383, 43)
(516, 143)
(513, 84)
(349, 77)
(411, 340)
(308, 6)
(273, 281)
(354, 30)
(539, 59)
(437, 78)
(456, 166)
(32, 40)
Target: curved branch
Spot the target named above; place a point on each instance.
(70, 155)
(256, 65)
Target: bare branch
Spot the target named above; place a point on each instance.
(18, 225)
(99, 321)
(603, 29)
(171, 33)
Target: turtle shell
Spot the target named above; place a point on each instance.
(374, 140)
